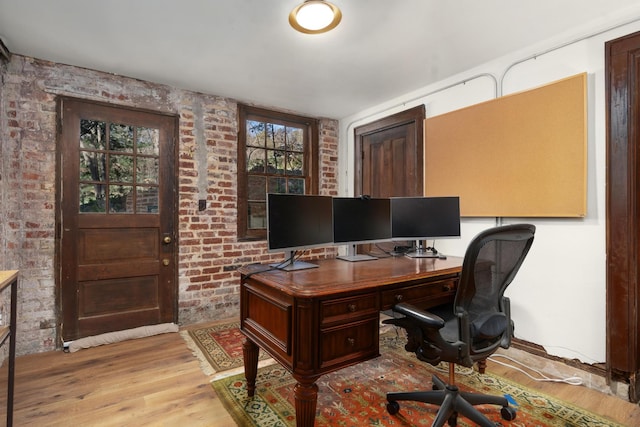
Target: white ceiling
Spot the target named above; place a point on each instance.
(246, 50)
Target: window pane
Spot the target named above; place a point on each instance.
(121, 168)
(147, 170)
(257, 215)
(277, 185)
(121, 198)
(257, 188)
(279, 133)
(255, 160)
(148, 141)
(295, 139)
(296, 186)
(121, 138)
(92, 198)
(295, 164)
(275, 161)
(93, 134)
(92, 166)
(146, 199)
(255, 133)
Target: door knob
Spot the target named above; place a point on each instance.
(167, 240)
(165, 262)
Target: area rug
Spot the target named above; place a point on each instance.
(355, 396)
(220, 344)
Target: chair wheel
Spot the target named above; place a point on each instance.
(393, 408)
(508, 413)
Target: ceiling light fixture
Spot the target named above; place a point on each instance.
(315, 17)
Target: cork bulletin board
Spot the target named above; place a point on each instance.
(521, 155)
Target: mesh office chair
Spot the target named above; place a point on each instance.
(470, 329)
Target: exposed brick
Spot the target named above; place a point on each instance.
(209, 252)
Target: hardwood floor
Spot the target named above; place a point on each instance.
(157, 381)
(150, 381)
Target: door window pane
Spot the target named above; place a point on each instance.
(121, 138)
(121, 168)
(92, 198)
(146, 199)
(93, 135)
(122, 176)
(92, 166)
(147, 170)
(148, 141)
(121, 198)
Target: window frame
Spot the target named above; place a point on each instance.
(311, 172)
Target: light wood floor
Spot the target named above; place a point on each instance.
(157, 381)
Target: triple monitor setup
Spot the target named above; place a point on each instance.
(297, 222)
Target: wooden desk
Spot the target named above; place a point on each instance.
(323, 319)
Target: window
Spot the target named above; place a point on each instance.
(277, 153)
(118, 168)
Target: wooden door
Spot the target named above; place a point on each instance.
(116, 217)
(389, 155)
(389, 159)
(622, 66)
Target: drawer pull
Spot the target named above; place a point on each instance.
(351, 342)
(352, 308)
(398, 297)
(447, 287)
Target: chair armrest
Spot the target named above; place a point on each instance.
(427, 319)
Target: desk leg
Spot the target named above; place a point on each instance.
(306, 395)
(250, 352)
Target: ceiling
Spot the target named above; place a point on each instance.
(246, 50)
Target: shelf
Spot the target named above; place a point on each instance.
(7, 277)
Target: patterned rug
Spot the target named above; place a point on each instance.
(355, 396)
(221, 346)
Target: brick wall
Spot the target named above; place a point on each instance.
(209, 251)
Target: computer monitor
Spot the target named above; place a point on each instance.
(425, 218)
(296, 222)
(359, 220)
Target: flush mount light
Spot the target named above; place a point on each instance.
(315, 17)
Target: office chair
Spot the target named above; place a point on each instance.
(471, 328)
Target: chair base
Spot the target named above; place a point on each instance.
(452, 402)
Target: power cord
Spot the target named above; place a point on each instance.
(568, 380)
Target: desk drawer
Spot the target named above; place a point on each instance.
(342, 345)
(425, 294)
(346, 309)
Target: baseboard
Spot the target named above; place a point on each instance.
(538, 350)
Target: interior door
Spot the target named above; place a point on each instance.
(389, 158)
(622, 66)
(116, 218)
(389, 155)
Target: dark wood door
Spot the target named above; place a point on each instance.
(117, 218)
(389, 155)
(389, 159)
(622, 63)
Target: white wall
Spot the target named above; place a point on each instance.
(558, 298)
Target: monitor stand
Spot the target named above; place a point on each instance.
(422, 252)
(352, 256)
(291, 264)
